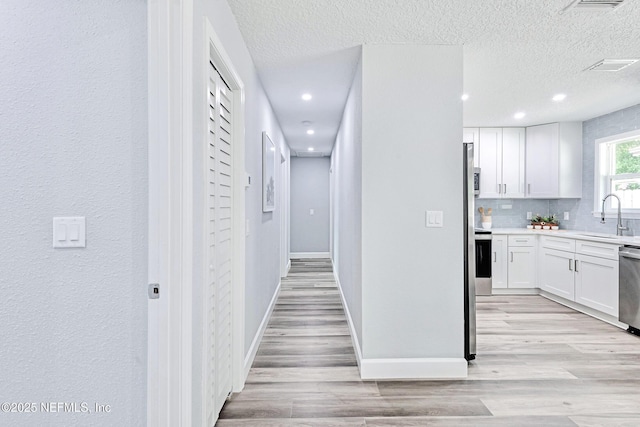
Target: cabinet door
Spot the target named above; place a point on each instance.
(499, 266)
(597, 283)
(556, 273)
(513, 150)
(472, 135)
(522, 267)
(542, 161)
(490, 163)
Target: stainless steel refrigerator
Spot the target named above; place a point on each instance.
(469, 255)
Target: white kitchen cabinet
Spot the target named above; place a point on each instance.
(522, 267)
(554, 160)
(513, 162)
(472, 135)
(521, 262)
(499, 266)
(501, 158)
(580, 276)
(597, 283)
(489, 149)
(556, 273)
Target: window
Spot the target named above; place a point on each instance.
(618, 158)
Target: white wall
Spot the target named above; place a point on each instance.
(412, 276)
(346, 204)
(263, 241)
(310, 190)
(73, 132)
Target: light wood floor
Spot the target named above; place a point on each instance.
(539, 364)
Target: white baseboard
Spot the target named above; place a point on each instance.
(418, 369)
(298, 255)
(388, 369)
(352, 330)
(255, 344)
(512, 291)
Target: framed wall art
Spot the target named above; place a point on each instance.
(268, 174)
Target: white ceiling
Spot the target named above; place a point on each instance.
(517, 55)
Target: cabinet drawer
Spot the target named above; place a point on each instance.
(523, 240)
(601, 250)
(558, 243)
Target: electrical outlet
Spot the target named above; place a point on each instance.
(529, 216)
(566, 216)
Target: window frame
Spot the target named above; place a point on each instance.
(602, 177)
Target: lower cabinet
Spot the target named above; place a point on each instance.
(522, 267)
(556, 273)
(499, 266)
(588, 280)
(514, 262)
(597, 283)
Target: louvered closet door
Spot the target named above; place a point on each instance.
(219, 178)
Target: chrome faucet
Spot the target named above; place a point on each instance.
(619, 228)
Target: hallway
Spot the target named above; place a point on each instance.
(539, 363)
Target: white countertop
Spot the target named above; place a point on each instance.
(574, 234)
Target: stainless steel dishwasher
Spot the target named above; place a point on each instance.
(629, 294)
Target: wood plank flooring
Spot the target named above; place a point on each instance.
(539, 364)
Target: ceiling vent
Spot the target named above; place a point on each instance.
(309, 153)
(611, 64)
(594, 5)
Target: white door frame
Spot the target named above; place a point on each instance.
(284, 214)
(171, 229)
(170, 71)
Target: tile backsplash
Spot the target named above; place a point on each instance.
(512, 213)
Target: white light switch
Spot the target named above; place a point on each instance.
(312, 212)
(434, 219)
(60, 233)
(74, 232)
(69, 232)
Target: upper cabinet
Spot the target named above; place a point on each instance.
(551, 156)
(554, 161)
(513, 155)
(501, 161)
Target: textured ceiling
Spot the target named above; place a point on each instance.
(517, 55)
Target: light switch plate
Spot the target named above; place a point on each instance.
(566, 216)
(434, 219)
(69, 232)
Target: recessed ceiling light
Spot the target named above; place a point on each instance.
(311, 132)
(310, 149)
(518, 115)
(465, 96)
(559, 97)
(306, 96)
